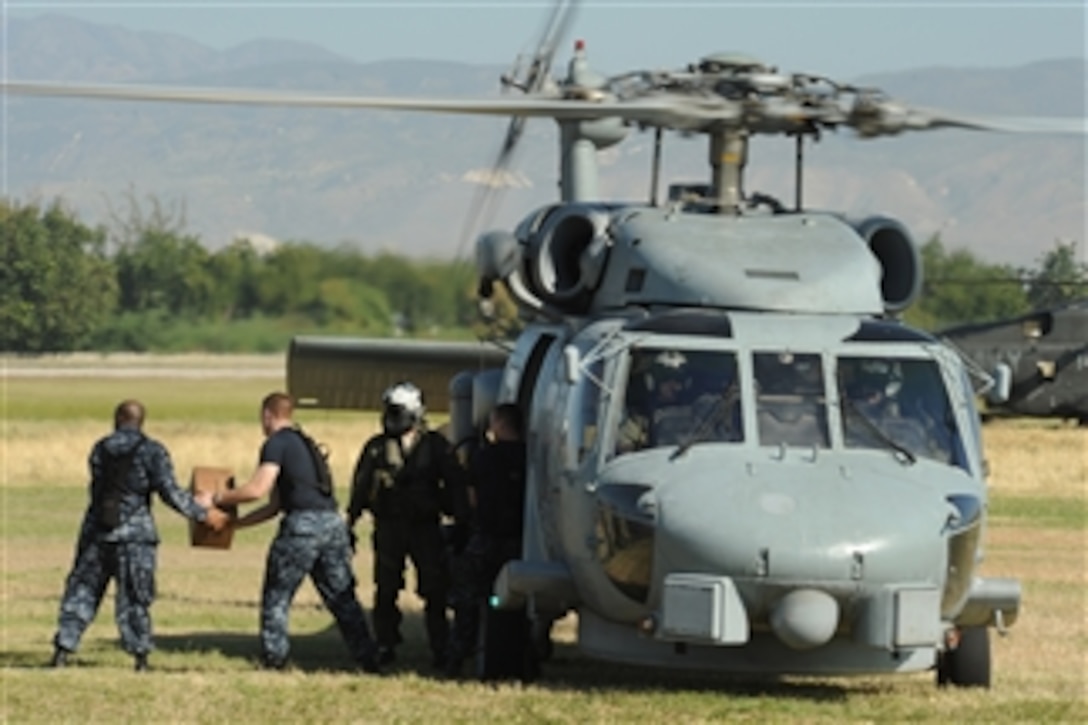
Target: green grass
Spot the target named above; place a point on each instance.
(206, 615)
(159, 332)
(1051, 512)
(216, 400)
(212, 400)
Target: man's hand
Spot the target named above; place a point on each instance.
(217, 519)
(204, 499)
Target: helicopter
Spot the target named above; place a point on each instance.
(1035, 365)
(816, 503)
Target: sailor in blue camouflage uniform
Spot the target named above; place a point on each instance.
(118, 538)
(312, 539)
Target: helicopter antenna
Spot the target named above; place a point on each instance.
(798, 170)
(655, 169)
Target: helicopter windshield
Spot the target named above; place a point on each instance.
(790, 400)
(679, 397)
(899, 403)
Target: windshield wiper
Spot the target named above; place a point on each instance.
(723, 404)
(849, 406)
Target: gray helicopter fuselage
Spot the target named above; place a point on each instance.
(737, 460)
(763, 548)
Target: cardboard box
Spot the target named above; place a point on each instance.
(212, 480)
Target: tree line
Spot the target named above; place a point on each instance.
(147, 284)
(959, 288)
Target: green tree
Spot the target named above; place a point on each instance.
(289, 280)
(347, 302)
(235, 272)
(961, 288)
(166, 271)
(1060, 278)
(56, 283)
(453, 293)
(410, 299)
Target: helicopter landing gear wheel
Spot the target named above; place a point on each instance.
(969, 664)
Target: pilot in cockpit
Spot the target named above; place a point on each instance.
(872, 411)
(898, 400)
(670, 402)
(790, 399)
(656, 409)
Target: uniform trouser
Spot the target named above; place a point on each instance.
(393, 541)
(475, 570)
(132, 566)
(314, 544)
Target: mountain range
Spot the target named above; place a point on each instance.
(403, 182)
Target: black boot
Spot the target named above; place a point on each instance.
(141, 662)
(438, 661)
(60, 657)
(268, 662)
(452, 670)
(369, 662)
(385, 656)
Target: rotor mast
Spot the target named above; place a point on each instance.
(728, 157)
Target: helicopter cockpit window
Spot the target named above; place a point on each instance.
(586, 411)
(899, 404)
(791, 405)
(679, 397)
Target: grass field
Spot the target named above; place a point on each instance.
(206, 612)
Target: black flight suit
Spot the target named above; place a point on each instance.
(406, 492)
(497, 473)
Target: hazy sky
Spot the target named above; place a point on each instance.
(845, 38)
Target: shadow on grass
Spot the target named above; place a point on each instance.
(566, 670)
(569, 670)
(320, 651)
(316, 652)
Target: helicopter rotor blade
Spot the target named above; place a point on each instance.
(681, 112)
(487, 198)
(651, 110)
(1010, 124)
(871, 118)
(555, 30)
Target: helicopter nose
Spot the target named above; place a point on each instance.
(810, 555)
(778, 526)
(805, 618)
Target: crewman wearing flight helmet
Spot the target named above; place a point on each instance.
(408, 477)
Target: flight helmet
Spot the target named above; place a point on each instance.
(402, 408)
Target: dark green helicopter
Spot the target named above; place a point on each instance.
(739, 460)
(1037, 364)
